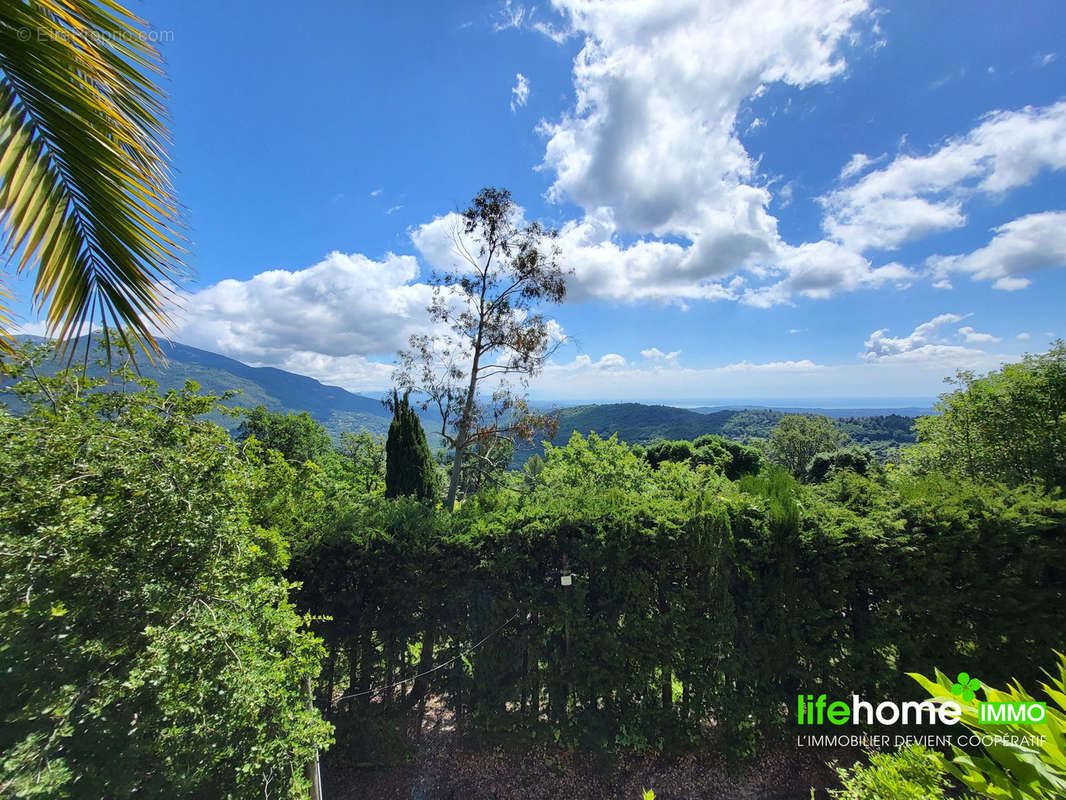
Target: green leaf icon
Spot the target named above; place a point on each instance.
(965, 686)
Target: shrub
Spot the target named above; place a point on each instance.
(856, 459)
(1033, 766)
(909, 774)
(149, 644)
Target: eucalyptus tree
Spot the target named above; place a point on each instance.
(493, 339)
(85, 190)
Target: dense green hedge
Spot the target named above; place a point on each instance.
(698, 606)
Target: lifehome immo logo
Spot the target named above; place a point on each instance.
(819, 710)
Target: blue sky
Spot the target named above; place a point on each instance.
(767, 199)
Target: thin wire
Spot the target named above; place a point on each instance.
(451, 660)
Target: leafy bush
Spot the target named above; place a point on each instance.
(909, 774)
(149, 645)
(1033, 766)
(856, 459)
(658, 452)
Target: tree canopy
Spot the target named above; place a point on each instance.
(505, 268)
(798, 437)
(1009, 425)
(149, 644)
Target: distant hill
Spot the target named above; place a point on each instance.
(636, 423)
(278, 390)
(907, 411)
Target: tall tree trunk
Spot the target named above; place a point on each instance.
(466, 420)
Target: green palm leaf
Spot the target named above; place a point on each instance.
(85, 190)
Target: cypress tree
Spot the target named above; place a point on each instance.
(409, 468)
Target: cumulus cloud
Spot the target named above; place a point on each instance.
(917, 195)
(519, 92)
(971, 336)
(1020, 247)
(327, 320)
(921, 339)
(1023, 337)
(651, 146)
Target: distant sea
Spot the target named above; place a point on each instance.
(831, 406)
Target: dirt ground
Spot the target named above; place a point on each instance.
(441, 770)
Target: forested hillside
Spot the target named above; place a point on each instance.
(636, 423)
(339, 410)
(275, 389)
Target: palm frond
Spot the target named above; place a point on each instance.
(85, 189)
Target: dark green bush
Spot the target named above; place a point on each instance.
(697, 606)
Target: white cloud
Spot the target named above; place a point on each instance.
(819, 269)
(509, 16)
(613, 377)
(651, 146)
(376, 192)
(1043, 59)
(1019, 247)
(917, 195)
(923, 337)
(971, 336)
(584, 363)
(1023, 337)
(392, 210)
(30, 328)
(519, 92)
(325, 321)
(859, 163)
(658, 356)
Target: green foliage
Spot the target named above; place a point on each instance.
(726, 457)
(279, 391)
(857, 459)
(797, 438)
(658, 452)
(296, 436)
(409, 467)
(365, 456)
(149, 646)
(691, 597)
(882, 435)
(639, 424)
(1008, 426)
(1031, 768)
(909, 774)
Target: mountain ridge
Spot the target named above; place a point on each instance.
(635, 423)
